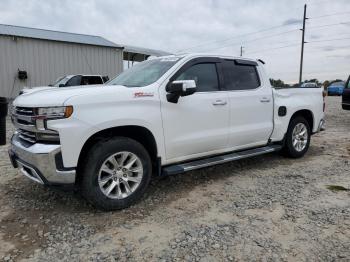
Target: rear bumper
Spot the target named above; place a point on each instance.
(41, 163)
(321, 125)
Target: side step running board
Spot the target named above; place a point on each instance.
(184, 167)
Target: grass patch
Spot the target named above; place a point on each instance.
(337, 188)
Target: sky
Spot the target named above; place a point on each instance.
(267, 29)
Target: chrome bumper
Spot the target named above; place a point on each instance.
(39, 162)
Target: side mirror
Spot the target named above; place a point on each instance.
(61, 85)
(180, 88)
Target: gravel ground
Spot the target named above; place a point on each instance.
(267, 208)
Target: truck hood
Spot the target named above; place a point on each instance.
(50, 96)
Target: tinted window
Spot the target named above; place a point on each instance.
(240, 77)
(205, 76)
(74, 81)
(91, 80)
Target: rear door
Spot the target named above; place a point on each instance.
(251, 104)
(346, 96)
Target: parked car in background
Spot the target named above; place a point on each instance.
(77, 80)
(346, 96)
(163, 116)
(310, 85)
(70, 80)
(336, 88)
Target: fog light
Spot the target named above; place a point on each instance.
(48, 137)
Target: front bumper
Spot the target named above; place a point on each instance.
(41, 163)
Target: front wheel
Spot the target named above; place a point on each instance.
(117, 172)
(298, 138)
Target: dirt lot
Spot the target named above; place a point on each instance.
(267, 208)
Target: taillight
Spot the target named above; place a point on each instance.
(324, 101)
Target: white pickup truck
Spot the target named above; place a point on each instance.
(163, 116)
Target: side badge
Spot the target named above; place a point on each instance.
(143, 94)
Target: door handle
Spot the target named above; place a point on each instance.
(219, 103)
(265, 100)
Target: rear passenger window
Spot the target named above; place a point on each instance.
(240, 77)
(205, 76)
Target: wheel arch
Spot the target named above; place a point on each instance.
(139, 133)
(307, 114)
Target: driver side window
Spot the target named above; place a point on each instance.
(205, 75)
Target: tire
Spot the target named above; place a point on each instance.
(297, 149)
(93, 182)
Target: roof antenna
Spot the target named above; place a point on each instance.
(261, 61)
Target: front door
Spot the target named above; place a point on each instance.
(198, 124)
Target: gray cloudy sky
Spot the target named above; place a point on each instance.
(217, 26)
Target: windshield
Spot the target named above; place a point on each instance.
(144, 73)
(59, 81)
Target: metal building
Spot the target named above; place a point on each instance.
(46, 55)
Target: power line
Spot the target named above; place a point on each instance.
(270, 36)
(327, 40)
(261, 31)
(272, 49)
(252, 40)
(264, 37)
(340, 13)
(282, 47)
(234, 37)
(318, 2)
(341, 23)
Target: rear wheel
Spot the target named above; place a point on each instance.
(116, 174)
(298, 138)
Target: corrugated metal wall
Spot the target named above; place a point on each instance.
(45, 61)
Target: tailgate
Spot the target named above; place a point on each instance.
(346, 95)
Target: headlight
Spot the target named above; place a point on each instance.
(54, 112)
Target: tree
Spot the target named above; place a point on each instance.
(314, 80)
(326, 84)
(278, 83)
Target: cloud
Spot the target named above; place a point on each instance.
(293, 21)
(328, 48)
(206, 25)
(314, 36)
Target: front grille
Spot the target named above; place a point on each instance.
(27, 136)
(24, 120)
(24, 116)
(25, 111)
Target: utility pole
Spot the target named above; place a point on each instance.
(241, 50)
(302, 47)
